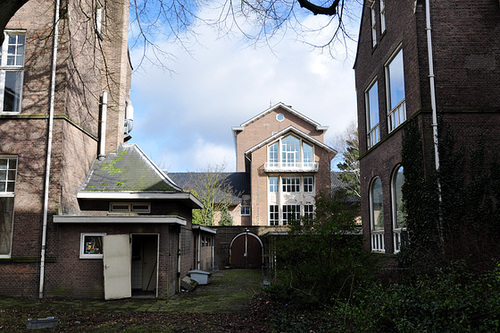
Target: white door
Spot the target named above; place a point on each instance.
(117, 267)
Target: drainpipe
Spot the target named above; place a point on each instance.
(431, 82)
(104, 112)
(49, 149)
(434, 111)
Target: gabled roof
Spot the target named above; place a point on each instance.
(291, 129)
(239, 182)
(286, 108)
(130, 174)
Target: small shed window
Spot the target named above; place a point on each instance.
(130, 207)
(91, 246)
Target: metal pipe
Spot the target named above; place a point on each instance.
(49, 149)
(431, 82)
(104, 112)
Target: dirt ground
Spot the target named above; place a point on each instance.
(227, 304)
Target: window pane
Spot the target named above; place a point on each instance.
(307, 151)
(273, 184)
(12, 91)
(273, 154)
(396, 80)
(3, 174)
(6, 211)
(373, 111)
(93, 245)
(290, 151)
(377, 205)
(3, 163)
(400, 217)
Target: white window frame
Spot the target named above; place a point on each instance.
(397, 229)
(245, 211)
(274, 184)
(9, 194)
(309, 184)
(309, 211)
(130, 207)
(273, 154)
(84, 255)
(290, 184)
(395, 115)
(274, 215)
(382, 17)
(99, 18)
(291, 157)
(18, 68)
(373, 132)
(290, 211)
(373, 22)
(377, 235)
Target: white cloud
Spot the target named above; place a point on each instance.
(183, 122)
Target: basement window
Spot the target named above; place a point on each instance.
(130, 207)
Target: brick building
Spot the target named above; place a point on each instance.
(288, 164)
(395, 83)
(70, 186)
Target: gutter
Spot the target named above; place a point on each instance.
(49, 149)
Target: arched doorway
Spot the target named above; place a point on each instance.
(245, 251)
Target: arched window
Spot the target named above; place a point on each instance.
(377, 216)
(398, 214)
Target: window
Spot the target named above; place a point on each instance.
(8, 170)
(372, 115)
(91, 246)
(273, 184)
(373, 23)
(274, 215)
(280, 117)
(11, 72)
(308, 211)
(245, 210)
(382, 16)
(396, 91)
(290, 213)
(290, 151)
(274, 155)
(307, 154)
(99, 17)
(308, 184)
(377, 216)
(398, 215)
(291, 184)
(130, 207)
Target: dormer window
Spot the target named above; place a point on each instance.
(130, 207)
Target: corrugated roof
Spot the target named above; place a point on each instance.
(127, 170)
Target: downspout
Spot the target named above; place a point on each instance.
(431, 82)
(49, 149)
(104, 112)
(198, 257)
(434, 111)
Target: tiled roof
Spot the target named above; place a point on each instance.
(238, 181)
(127, 170)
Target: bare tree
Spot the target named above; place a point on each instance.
(212, 186)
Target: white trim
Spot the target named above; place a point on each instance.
(139, 195)
(82, 246)
(286, 108)
(297, 132)
(125, 219)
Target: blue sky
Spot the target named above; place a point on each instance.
(183, 120)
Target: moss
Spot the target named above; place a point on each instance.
(110, 167)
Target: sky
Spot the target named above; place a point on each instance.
(183, 117)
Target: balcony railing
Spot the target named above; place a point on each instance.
(291, 167)
(378, 244)
(397, 239)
